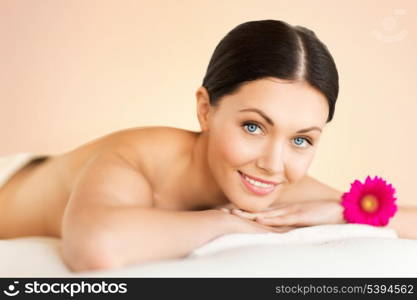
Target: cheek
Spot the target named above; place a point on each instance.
(233, 148)
(298, 166)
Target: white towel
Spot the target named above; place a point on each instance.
(10, 164)
(312, 235)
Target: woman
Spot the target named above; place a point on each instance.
(152, 193)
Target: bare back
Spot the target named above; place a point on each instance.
(33, 201)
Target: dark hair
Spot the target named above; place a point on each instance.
(271, 48)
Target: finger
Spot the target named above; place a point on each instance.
(270, 212)
(274, 213)
(251, 216)
(286, 220)
(225, 210)
(244, 214)
(279, 206)
(282, 209)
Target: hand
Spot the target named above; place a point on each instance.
(238, 224)
(246, 225)
(243, 225)
(226, 207)
(298, 214)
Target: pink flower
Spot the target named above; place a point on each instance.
(370, 203)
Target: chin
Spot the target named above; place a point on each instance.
(250, 205)
(254, 209)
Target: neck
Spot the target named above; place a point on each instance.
(207, 192)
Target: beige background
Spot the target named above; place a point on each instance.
(71, 71)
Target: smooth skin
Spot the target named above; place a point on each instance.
(152, 193)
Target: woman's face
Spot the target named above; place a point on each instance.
(264, 131)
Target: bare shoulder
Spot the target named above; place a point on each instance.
(125, 168)
(154, 149)
(108, 179)
(146, 139)
(150, 150)
(160, 152)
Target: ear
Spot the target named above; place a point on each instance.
(203, 107)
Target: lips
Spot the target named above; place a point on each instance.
(259, 179)
(258, 190)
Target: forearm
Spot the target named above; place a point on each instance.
(134, 235)
(308, 189)
(404, 222)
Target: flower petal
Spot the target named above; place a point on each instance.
(377, 187)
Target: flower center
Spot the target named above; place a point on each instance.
(369, 203)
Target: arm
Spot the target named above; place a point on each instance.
(110, 220)
(309, 189)
(404, 222)
(134, 235)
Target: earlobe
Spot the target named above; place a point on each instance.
(203, 107)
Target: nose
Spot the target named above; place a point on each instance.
(272, 160)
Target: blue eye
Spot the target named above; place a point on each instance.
(251, 127)
(301, 139)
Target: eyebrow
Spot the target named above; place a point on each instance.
(268, 119)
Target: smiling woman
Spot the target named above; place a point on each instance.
(256, 132)
(152, 193)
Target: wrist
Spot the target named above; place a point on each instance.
(339, 212)
(221, 222)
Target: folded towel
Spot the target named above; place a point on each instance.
(305, 235)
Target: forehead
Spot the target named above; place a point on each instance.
(280, 100)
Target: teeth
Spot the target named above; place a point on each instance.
(257, 183)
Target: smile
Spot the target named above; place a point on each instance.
(255, 186)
